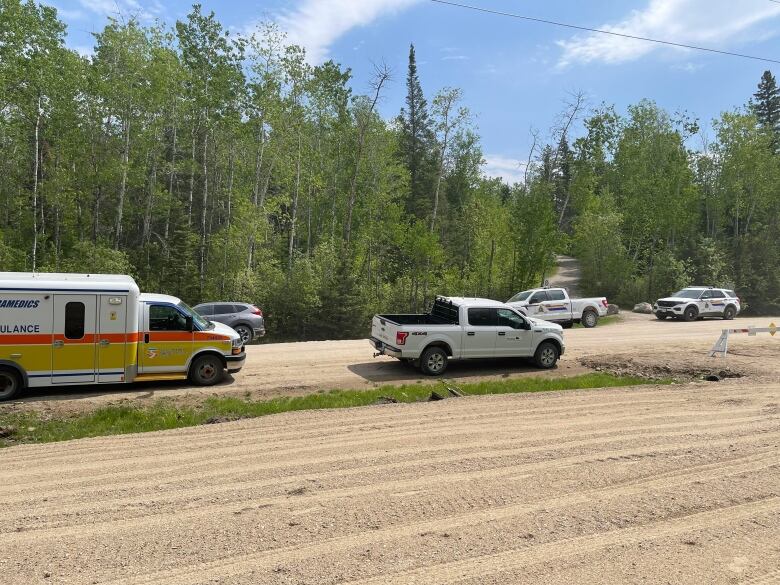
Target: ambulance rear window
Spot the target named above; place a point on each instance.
(74, 320)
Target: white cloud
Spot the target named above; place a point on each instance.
(317, 24)
(712, 23)
(511, 170)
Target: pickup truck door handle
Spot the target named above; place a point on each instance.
(146, 338)
(470, 333)
(502, 332)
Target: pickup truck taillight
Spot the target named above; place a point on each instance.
(400, 337)
(605, 303)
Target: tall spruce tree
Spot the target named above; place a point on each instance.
(416, 142)
(767, 106)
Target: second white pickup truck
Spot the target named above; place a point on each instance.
(461, 328)
(554, 304)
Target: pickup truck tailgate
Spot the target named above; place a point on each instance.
(383, 330)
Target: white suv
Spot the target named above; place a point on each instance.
(697, 302)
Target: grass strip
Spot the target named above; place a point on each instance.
(29, 427)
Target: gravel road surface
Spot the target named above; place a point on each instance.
(654, 484)
(672, 484)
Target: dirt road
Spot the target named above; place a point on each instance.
(673, 484)
(301, 368)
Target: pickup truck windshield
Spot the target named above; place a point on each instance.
(521, 296)
(688, 293)
(197, 319)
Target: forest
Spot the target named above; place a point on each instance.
(217, 167)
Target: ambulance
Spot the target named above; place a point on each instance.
(68, 329)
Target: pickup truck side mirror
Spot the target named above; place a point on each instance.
(189, 324)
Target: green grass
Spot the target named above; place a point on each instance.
(603, 321)
(29, 427)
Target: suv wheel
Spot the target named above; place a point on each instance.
(245, 333)
(729, 313)
(690, 313)
(433, 361)
(546, 355)
(10, 383)
(206, 370)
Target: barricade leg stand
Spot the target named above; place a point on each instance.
(721, 346)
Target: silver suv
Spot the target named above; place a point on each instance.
(246, 319)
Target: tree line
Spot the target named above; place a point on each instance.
(212, 166)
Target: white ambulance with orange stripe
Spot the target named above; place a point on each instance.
(60, 329)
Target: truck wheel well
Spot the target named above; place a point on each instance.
(555, 342)
(440, 344)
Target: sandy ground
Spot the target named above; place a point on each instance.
(301, 368)
(674, 484)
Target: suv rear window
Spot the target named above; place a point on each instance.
(731, 293)
(224, 309)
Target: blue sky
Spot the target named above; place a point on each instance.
(515, 75)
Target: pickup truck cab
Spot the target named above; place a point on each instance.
(464, 328)
(697, 302)
(554, 304)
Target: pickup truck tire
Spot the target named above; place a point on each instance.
(10, 383)
(690, 314)
(433, 361)
(546, 355)
(589, 318)
(729, 313)
(207, 370)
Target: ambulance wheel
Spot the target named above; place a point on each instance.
(206, 370)
(10, 383)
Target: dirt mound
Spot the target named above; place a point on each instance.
(677, 366)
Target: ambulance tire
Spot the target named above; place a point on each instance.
(10, 383)
(207, 370)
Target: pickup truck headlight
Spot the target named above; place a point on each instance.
(237, 342)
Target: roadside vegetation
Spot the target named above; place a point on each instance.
(216, 166)
(34, 427)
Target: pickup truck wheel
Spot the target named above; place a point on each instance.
(729, 313)
(589, 318)
(433, 361)
(206, 370)
(690, 314)
(10, 383)
(546, 355)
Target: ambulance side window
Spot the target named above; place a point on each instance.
(166, 318)
(74, 320)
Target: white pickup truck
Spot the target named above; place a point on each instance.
(461, 328)
(554, 304)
